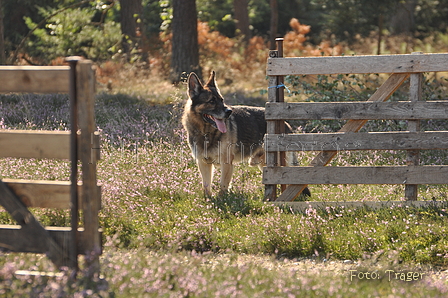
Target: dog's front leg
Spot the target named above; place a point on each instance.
(226, 174)
(206, 169)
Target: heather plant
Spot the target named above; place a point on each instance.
(164, 238)
(143, 273)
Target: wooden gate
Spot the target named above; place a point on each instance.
(61, 244)
(400, 67)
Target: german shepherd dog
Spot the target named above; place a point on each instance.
(219, 135)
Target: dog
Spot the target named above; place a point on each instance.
(221, 135)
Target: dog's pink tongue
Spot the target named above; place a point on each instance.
(221, 125)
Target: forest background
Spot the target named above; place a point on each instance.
(171, 37)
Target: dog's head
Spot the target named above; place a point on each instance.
(208, 101)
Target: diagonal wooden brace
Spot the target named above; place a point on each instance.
(324, 157)
(31, 228)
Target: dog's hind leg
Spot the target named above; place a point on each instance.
(226, 176)
(258, 160)
(206, 170)
(291, 158)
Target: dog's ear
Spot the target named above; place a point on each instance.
(212, 81)
(194, 85)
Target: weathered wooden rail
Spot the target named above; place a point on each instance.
(81, 144)
(401, 67)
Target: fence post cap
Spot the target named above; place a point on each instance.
(74, 58)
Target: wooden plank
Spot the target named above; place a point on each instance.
(31, 229)
(12, 239)
(356, 175)
(35, 144)
(409, 63)
(85, 81)
(396, 110)
(34, 79)
(324, 157)
(357, 141)
(381, 94)
(303, 206)
(43, 193)
(40, 144)
(276, 93)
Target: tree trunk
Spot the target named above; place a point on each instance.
(403, 21)
(274, 24)
(185, 52)
(242, 19)
(132, 28)
(2, 36)
(380, 33)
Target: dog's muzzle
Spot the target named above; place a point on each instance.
(218, 123)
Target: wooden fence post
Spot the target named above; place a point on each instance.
(276, 93)
(90, 197)
(270, 190)
(74, 210)
(413, 156)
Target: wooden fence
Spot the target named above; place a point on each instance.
(81, 144)
(400, 67)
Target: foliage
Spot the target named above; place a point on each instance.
(340, 21)
(216, 47)
(431, 16)
(14, 11)
(218, 15)
(155, 12)
(74, 32)
(295, 43)
(95, 32)
(346, 19)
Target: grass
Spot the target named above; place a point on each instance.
(164, 239)
(149, 273)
